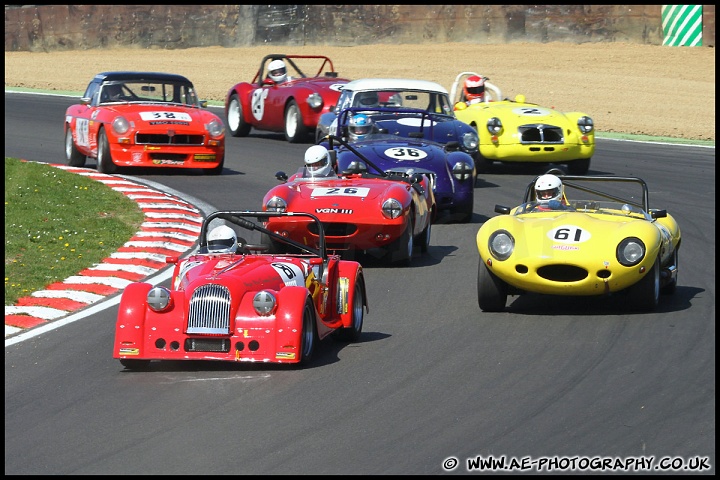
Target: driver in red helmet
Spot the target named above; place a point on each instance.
(474, 89)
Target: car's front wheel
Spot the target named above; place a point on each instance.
(236, 121)
(353, 332)
(645, 294)
(217, 170)
(134, 364)
(308, 337)
(491, 291)
(424, 239)
(73, 156)
(105, 163)
(579, 166)
(295, 130)
(402, 249)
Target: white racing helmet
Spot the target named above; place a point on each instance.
(277, 71)
(317, 161)
(222, 239)
(548, 188)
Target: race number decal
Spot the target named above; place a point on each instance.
(405, 154)
(257, 102)
(415, 122)
(531, 111)
(336, 86)
(290, 274)
(340, 192)
(81, 131)
(181, 116)
(569, 234)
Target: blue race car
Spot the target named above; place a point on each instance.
(396, 93)
(399, 140)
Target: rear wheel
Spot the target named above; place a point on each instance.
(104, 158)
(491, 291)
(295, 130)
(308, 336)
(73, 156)
(579, 167)
(236, 121)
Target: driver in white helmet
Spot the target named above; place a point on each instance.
(222, 239)
(277, 72)
(317, 163)
(550, 193)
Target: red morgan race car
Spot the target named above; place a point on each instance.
(233, 301)
(283, 98)
(363, 210)
(143, 119)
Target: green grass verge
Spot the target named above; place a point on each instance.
(58, 223)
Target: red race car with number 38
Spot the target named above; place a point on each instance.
(143, 119)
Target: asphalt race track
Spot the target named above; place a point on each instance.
(550, 380)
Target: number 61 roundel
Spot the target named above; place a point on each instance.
(569, 234)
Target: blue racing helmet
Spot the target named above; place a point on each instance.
(360, 127)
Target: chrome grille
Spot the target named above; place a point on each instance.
(209, 311)
(539, 133)
(164, 139)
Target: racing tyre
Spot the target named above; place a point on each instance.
(216, 170)
(295, 130)
(669, 287)
(308, 337)
(645, 294)
(466, 211)
(74, 158)
(353, 332)
(236, 121)
(578, 167)
(272, 245)
(491, 291)
(402, 254)
(104, 158)
(482, 164)
(424, 239)
(131, 364)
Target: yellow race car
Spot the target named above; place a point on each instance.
(594, 242)
(516, 131)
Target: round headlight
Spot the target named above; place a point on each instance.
(276, 204)
(494, 126)
(630, 251)
(462, 171)
(585, 124)
(120, 125)
(158, 299)
(391, 208)
(215, 128)
(314, 100)
(264, 302)
(501, 244)
(470, 141)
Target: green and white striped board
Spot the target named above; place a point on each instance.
(682, 25)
